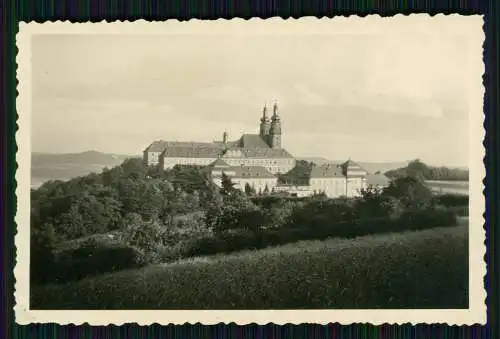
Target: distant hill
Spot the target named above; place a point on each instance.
(64, 166)
(370, 167)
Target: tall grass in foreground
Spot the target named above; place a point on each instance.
(415, 269)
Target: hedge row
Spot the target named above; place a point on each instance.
(452, 200)
(90, 260)
(231, 242)
(97, 258)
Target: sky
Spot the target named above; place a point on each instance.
(372, 90)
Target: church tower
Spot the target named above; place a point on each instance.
(265, 125)
(275, 132)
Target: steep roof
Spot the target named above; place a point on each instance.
(219, 163)
(249, 145)
(352, 165)
(252, 172)
(226, 144)
(326, 171)
(192, 144)
(161, 145)
(156, 146)
(206, 150)
(378, 179)
(252, 141)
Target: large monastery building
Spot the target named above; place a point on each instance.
(257, 159)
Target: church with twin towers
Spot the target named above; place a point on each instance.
(257, 153)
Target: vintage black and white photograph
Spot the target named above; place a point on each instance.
(309, 170)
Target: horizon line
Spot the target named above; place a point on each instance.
(300, 157)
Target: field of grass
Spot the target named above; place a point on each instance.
(416, 269)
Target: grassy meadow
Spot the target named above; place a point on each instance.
(413, 269)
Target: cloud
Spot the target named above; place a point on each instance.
(308, 97)
(224, 93)
(346, 89)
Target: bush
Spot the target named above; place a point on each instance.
(177, 251)
(374, 204)
(183, 228)
(421, 219)
(460, 211)
(93, 259)
(322, 212)
(451, 200)
(278, 214)
(236, 213)
(224, 243)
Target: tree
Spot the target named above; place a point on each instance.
(96, 203)
(147, 236)
(145, 197)
(134, 168)
(248, 189)
(227, 185)
(278, 214)
(214, 202)
(193, 201)
(373, 204)
(412, 192)
(298, 175)
(266, 189)
(251, 219)
(239, 212)
(42, 244)
(70, 224)
(189, 178)
(321, 194)
(417, 169)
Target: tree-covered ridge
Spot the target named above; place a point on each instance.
(418, 169)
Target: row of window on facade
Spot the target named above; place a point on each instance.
(249, 162)
(262, 162)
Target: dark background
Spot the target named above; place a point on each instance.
(94, 10)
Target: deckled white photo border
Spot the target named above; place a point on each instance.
(476, 314)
